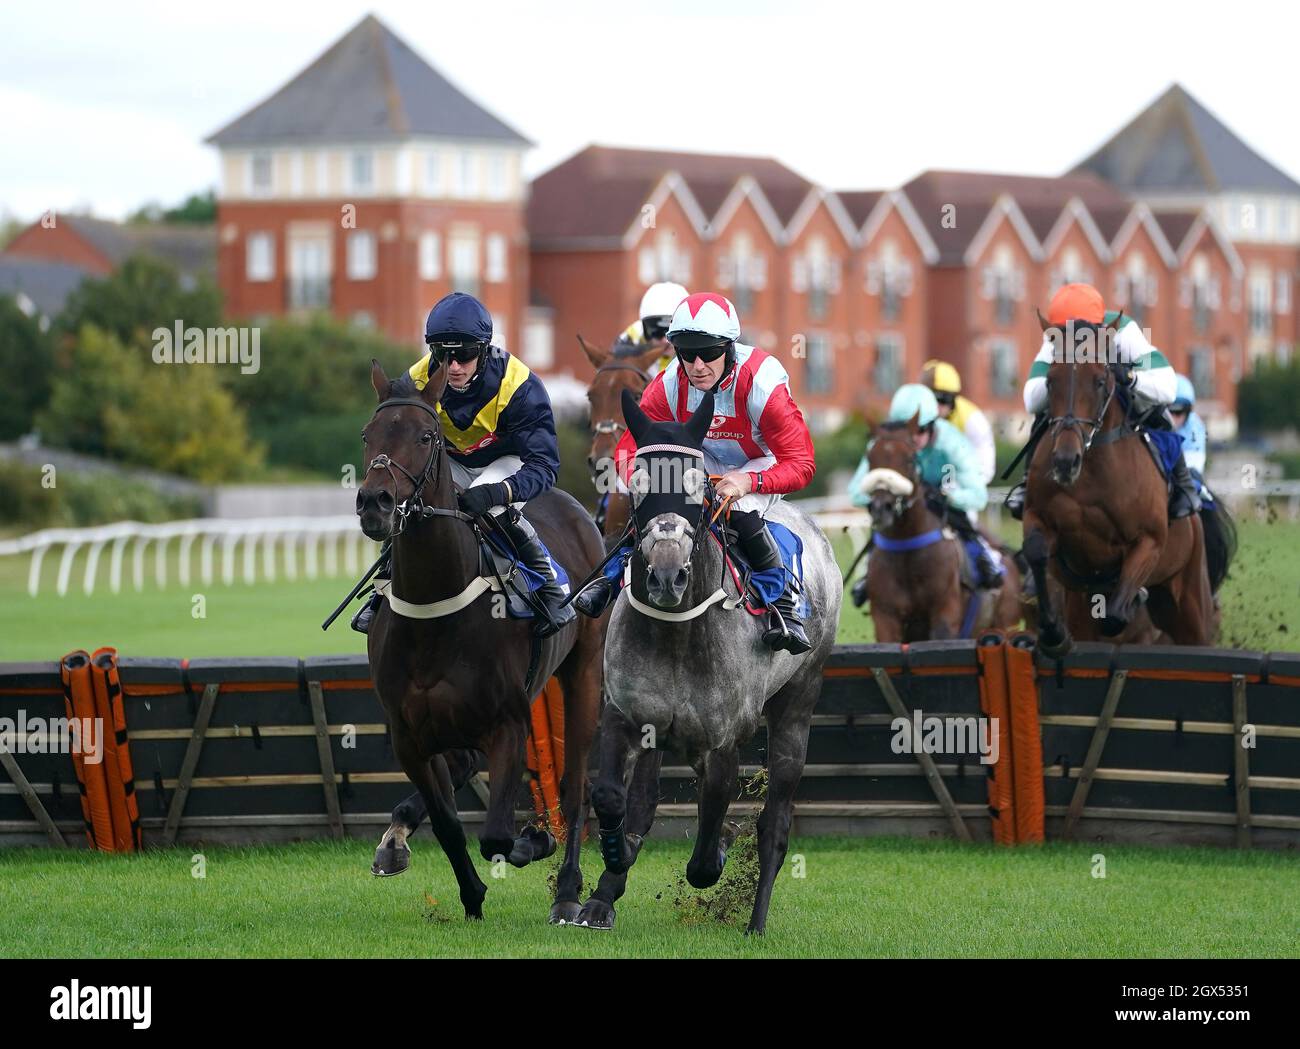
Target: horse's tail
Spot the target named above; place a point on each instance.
(1220, 540)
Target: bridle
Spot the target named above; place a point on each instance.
(614, 426)
(902, 503)
(1092, 426)
(413, 505)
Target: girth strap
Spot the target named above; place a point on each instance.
(436, 609)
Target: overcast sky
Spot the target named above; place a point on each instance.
(106, 105)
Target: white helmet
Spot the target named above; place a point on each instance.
(660, 300)
(703, 320)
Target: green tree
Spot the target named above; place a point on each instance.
(139, 296)
(26, 366)
(1269, 397)
(114, 401)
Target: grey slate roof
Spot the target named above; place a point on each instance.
(1178, 145)
(47, 284)
(192, 249)
(369, 86)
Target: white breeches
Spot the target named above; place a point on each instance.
(496, 470)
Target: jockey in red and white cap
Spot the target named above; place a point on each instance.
(758, 441)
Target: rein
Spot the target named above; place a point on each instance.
(1093, 426)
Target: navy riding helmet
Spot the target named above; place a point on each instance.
(459, 318)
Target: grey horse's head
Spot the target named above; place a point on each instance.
(668, 483)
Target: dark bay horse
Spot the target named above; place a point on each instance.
(451, 669)
(914, 578)
(687, 671)
(622, 367)
(1096, 515)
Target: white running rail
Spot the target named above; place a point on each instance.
(327, 546)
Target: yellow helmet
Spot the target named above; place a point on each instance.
(940, 376)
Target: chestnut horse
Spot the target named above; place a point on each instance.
(914, 577)
(1096, 514)
(622, 367)
(451, 671)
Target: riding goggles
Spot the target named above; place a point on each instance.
(703, 353)
(460, 352)
(655, 327)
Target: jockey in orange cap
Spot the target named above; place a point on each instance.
(1152, 384)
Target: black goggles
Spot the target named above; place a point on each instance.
(946, 398)
(460, 352)
(655, 327)
(708, 354)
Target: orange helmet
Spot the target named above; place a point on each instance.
(1076, 302)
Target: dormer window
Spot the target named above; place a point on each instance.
(260, 174)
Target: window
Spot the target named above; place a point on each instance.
(361, 171)
(889, 276)
(1283, 298)
(819, 372)
(496, 258)
(430, 255)
(1004, 283)
(361, 255)
(1004, 371)
(498, 180)
(260, 175)
(1261, 303)
(433, 173)
(821, 274)
(742, 272)
(539, 340)
(259, 260)
(364, 320)
(464, 181)
(500, 331)
(465, 263)
(887, 373)
(663, 261)
(1201, 369)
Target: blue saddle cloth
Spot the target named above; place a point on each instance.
(771, 583)
(525, 581)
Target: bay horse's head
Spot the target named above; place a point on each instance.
(1080, 388)
(670, 496)
(622, 367)
(891, 481)
(405, 455)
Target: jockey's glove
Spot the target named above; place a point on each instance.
(481, 498)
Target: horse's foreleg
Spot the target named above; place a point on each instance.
(434, 784)
(717, 785)
(580, 676)
(1053, 637)
(505, 754)
(1120, 609)
(393, 855)
(620, 741)
(787, 750)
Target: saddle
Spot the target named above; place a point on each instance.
(761, 589)
(497, 562)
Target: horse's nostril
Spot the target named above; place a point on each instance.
(385, 502)
(679, 581)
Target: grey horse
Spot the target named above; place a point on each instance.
(686, 671)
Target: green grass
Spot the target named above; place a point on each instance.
(859, 897)
(1260, 599)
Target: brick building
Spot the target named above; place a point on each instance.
(370, 186)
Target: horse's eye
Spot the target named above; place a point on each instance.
(426, 437)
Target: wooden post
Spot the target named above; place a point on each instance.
(1095, 748)
(1240, 761)
(189, 763)
(326, 759)
(927, 763)
(29, 795)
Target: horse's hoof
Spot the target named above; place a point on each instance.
(564, 912)
(390, 861)
(1054, 646)
(531, 846)
(595, 914)
(1112, 626)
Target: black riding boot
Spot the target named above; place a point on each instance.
(529, 547)
(988, 575)
(595, 598)
(366, 613)
(784, 627)
(1184, 500)
(858, 592)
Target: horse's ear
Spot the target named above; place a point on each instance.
(647, 359)
(379, 380)
(697, 426)
(434, 388)
(1117, 323)
(637, 420)
(1043, 321)
(595, 355)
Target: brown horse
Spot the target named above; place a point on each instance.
(1096, 515)
(914, 577)
(451, 670)
(622, 367)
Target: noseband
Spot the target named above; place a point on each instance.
(901, 503)
(1092, 426)
(413, 504)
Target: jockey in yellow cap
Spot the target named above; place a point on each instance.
(962, 413)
